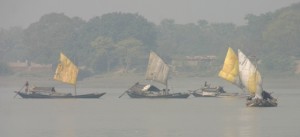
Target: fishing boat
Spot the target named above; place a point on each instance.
(240, 71)
(157, 71)
(252, 81)
(66, 72)
(208, 91)
(35, 92)
(216, 91)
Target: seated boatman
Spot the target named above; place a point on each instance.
(266, 95)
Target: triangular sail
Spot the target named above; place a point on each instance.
(230, 70)
(249, 75)
(157, 69)
(66, 71)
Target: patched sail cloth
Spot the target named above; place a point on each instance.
(230, 70)
(157, 69)
(249, 75)
(66, 71)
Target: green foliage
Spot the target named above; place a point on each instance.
(122, 41)
(104, 46)
(83, 73)
(11, 44)
(283, 32)
(130, 53)
(51, 35)
(122, 54)
(119, 26)
(277, 64)
(192, 39)
(4, 69)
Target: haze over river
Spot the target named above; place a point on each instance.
(111, 116)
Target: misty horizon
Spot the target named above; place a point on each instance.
(23, 13)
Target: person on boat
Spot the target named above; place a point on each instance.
(206, 85)
(52, 90)
(266, 95)
(165, 91)
(250, 98)
(220, 89)
(26, 87)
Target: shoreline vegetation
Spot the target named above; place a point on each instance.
(117, 40)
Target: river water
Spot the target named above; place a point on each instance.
(111, 116)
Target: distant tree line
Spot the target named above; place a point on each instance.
(122, 41)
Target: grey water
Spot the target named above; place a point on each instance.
(111, 116)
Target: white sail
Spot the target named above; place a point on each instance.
(249, 75)
(157, 69)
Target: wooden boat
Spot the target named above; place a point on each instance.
(157, 71)
(207, 91)
(212, 91)
(252, 81)
(255, 102)
(150, 91)
(240, 71)
(66, 72)
(58, 95)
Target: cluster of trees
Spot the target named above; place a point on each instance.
(122, 41)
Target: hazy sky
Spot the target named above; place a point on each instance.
(24, 12)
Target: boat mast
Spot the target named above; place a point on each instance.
(75, 89)
(167, 90)
(75, 63)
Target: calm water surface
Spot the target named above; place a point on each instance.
(110, 116)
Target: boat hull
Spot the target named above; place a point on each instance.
(208, 91)
(174, 95)
(240, 95)
(53, 96)
(150, 91)
(262, 103)
(205, 94)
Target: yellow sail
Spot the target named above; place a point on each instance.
(66, 71)
(230, 70)
(254, 83)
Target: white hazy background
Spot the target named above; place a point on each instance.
(24, 12)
